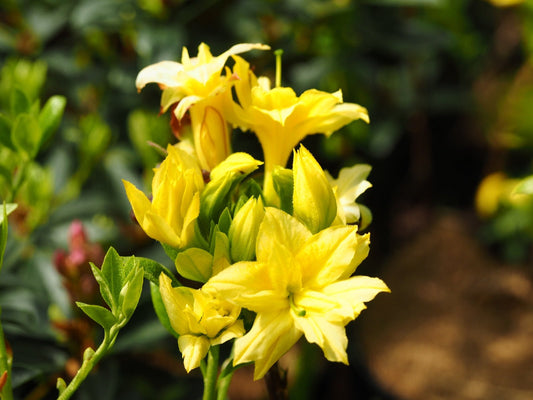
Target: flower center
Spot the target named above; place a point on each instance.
(298, 311)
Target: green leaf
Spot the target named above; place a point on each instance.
(3, 233)
(26, 135)
(99, 314)
(131, 293)
(5, 132)
(19, 102)
(105, 290)
(152, 269)
(9, 208)
(160, 310)
(50, 116)
(114, 271)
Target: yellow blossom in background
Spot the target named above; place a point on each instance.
(348, 186)
(200, 319)
(301, 284)
(196, 85)
(493, 191)
(169, 217)
(506, 3)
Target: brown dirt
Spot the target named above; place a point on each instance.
(458, 323)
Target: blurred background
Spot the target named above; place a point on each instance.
(449, 88)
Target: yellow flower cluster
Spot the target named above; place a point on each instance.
(284, 247)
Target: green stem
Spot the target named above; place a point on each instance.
(211, 372)
(90, 359)
(17, 181)
(278, 54)
(224, 379)
(7, 392)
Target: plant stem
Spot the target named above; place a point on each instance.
(211, 373)
(89, 361)
(6, 393)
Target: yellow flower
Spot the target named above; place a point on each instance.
(280, 119)
(200, 319)
(196, 85)
(170, 216)
(301, 284)
(243, 230)
(348, 186)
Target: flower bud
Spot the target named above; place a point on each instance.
(313, 200)
(244, 228)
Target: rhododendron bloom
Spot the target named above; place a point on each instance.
(301, 284)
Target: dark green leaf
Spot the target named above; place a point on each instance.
(5, 132)
(99, 314)
(114, 270)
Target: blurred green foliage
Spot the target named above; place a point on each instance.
(448, 86)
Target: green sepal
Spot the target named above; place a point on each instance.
(170, 251)
(224, 222)
(101, 315)
(195, 264)
(152, 269)
(160, 311)
(284, 186)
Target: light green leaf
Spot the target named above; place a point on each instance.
(26, 135)
(131, 293)
(525, 186)
(105, 290)
(50, 116)
(99, 314)
(9, 208)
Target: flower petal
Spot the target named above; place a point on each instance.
(193, 349)
(331, 337)
(164, 73)
(271, 336)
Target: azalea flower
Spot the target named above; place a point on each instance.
(200, 319)
(301, 284)
(348, 186)
(175, 206)
(195, 85)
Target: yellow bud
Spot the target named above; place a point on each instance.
(314, 202)
(244, 228)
